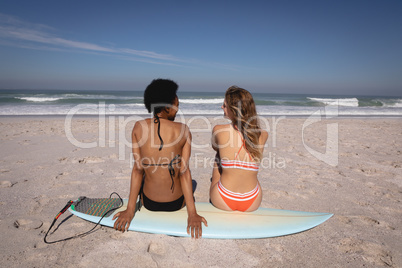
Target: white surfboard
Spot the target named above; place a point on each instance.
(264, 222)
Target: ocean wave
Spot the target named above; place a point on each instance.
(131, 103)
(391, 103)
(349, 102)
(134, 109)
(202, 101)
(99, 97)
(39, 99)
(77, 97)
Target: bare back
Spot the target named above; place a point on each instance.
(154, 159)
(229, 145)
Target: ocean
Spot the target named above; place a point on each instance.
(58, 102)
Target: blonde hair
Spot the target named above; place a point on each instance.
(241, 104)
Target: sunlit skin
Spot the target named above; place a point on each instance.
(157, 182)
(226, 142)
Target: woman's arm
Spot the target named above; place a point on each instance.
(214, 140)
(263, 139)
(124, 217)
(194, 222)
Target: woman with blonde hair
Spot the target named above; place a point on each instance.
(239, 146)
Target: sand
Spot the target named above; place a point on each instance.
(41, 169)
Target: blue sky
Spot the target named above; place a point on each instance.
(326, 47)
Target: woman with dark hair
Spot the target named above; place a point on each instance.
(239, 146)
(161, 174)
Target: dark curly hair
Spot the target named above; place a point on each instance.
(159, 94)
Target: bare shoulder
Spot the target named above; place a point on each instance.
(138, 126)
(219, 128)
(182, 129)
(180, 126)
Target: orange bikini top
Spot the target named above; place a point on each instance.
(240, 164)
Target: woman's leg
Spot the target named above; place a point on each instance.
(216, 175)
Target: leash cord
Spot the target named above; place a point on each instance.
(82, 234)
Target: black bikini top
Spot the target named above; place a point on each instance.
(174, 161)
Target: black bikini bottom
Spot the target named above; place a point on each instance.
(162, 206)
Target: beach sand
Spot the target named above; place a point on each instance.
(41, 169)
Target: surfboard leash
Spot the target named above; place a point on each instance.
(69, 204)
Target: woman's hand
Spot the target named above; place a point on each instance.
(123, 220)
(194, 225)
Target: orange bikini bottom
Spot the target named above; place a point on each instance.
(238, 201)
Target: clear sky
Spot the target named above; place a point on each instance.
(328, 47)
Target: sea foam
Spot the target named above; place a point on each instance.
(39, 99)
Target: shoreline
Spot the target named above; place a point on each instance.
(205, 115)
